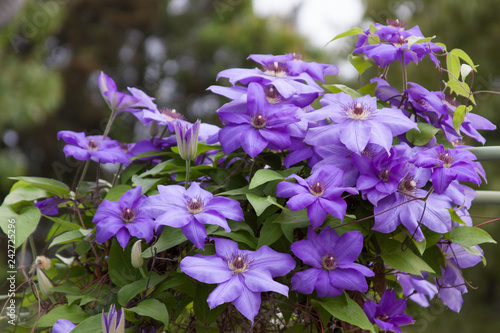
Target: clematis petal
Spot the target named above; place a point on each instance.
(316, 214)
(304, 281)
(323, 286)
(252, 142)
(348, 279)
(207, 269)
(225, 292)
(248, 303)
(261, 280)
(195, 232)
(278, 264)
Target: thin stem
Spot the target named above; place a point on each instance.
(108, 125)
(84, 173)
(97, 180)
(188, 173)
(117, 175)
(403, 69)
(32, 245)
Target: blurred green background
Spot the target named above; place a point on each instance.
(51, 53)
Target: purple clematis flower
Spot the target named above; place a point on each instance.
(277, 73)
(448, 165)
(49, 206)
(413, 207)
(417, 288)
(124, 218)
(356, 122)
(381, 173)
(241, 275)
(388, 314)
(452, 284)
(332, 260)
(114, 322)
(116, 100)
(92, 147)
(261, 126)
(395, 44)
(320, 193)
(191, 209)
(63, 326)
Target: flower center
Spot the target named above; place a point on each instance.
(328, 262)
(317, 189)
(384, 175)
(407, 185)
(170, 114)
(383, 317)
(395, 24)
(239, 263)
(91, 144)
(276, 69)
(272, 95)
(195, 206)
(128, 215)
(259, 121)
(297, 56)
(400, 41)
(447, 159)
(358, 112)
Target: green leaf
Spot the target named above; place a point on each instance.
(406, 261)
(24, 223)
(202, 147)
(24, 193)
(289, 221)
(351, 32)
(460, 88)
(169, 238)
(453, 66)
(345, 309)
(115, 193)
(464, 56)
(90, 325)
(269, 233)
(470, 236)
(73, 313)
(260, 204)
(368, 89)
(336, 88)
(417, 40)
(458, 117)
(152, 308)
(63, 223)
(70, 236)
(238, 236)
(423, 137)
(361, 63)
(263, 176)
(147, 183)
(121, 271)
(201, 310)
(51, 185)
(131, 290)
(435, 259)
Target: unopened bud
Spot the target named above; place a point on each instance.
(153, 128)
(187, 139)
(44, 283)
(136, 255)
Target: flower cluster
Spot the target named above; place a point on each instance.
(304, 197)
